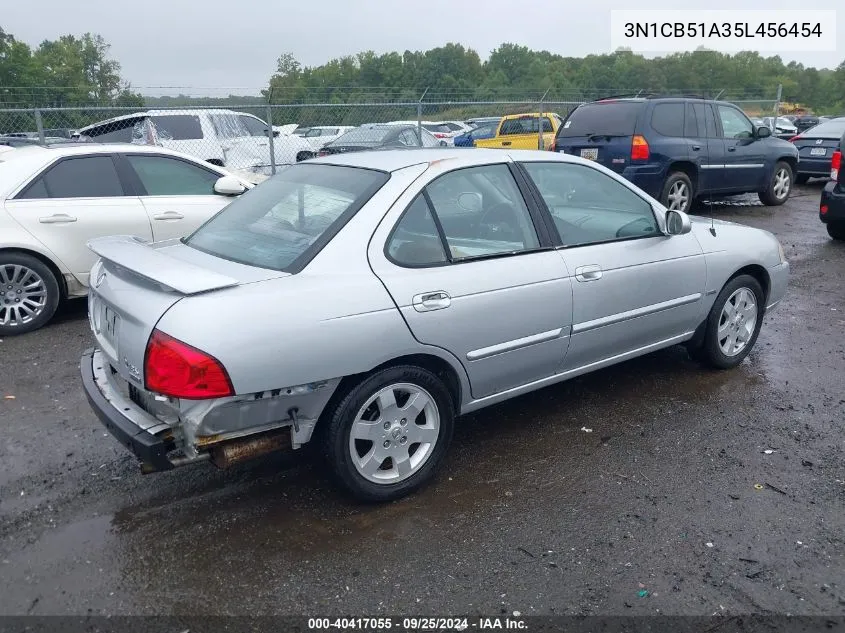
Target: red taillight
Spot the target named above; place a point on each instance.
(835, 164)
(795, 138)
(639, 148)
(823, 209)
(176, 369)
(440, 135)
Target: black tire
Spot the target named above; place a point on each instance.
(8, 301)
(836, 230)
(675, 180)
(769, 197)
(338, 422)
(801, 179)
(304, 156)
(710, 352)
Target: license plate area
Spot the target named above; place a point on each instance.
(818, 151)
(105, 323)
(590, 153)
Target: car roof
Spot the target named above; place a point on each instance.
(154, 112)
(395, 159)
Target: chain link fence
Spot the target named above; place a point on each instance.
(254, 140)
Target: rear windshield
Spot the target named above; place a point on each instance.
(828, 129)
(616, 118)
(284, 222)
(365, 135)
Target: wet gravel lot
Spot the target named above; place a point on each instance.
(696, 492)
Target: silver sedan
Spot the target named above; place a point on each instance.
(365, 301)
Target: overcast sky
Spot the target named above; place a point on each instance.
(232, 46)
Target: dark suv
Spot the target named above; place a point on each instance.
(678, 149)
(832, 203)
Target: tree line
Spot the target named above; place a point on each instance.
(454, 72)
(69, 71)
(78, 71)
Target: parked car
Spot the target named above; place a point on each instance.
(440, 131)
(235, 140)
(805, 122)
(482, 120)
(784, 129)
(399, 289)
(457, 127)
(5, 148)
(680, 149)
(522, 131)
(832, 203)
(816, 147)
(487, 130)
(380, 136)
(319, 135)
(55, 198)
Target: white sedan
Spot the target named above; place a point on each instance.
(54, 199)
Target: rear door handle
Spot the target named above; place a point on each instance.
(732, 149)
(588, 273)
(695, 148)
(169, 215)
(504, 143)
(428, 301)
(57, 218)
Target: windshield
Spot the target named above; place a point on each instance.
(283, 223)
(617, 118)
(829, 129)
(365, 135)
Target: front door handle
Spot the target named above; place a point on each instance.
(428, 301)
(732, 149)
(57, 218)
(695, 148)
(169, 215)
(588, 273)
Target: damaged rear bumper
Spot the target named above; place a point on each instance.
(111, 408)
(171, 433)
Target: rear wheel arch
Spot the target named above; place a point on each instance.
(689, 169)
(435, 364)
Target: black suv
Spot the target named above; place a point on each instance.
(832, 204)
(678, 149)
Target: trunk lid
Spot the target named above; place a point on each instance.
(135, 283)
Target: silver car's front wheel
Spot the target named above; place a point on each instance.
(733, 324)
(389, 432)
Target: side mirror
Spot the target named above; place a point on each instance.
(471, 201)
(762, 131)
(677, 223)
(228, 186)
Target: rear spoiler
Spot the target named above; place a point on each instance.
(140, 258)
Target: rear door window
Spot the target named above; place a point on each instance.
(618, 118)
(88, 177)
(667, 119)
